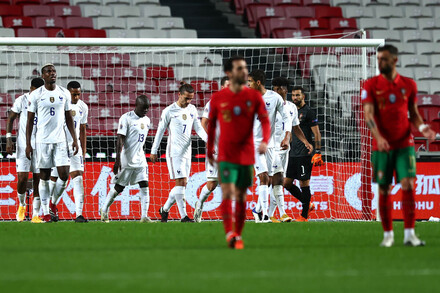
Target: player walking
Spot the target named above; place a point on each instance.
(211, 170)
(387, 98)
(24, 165)
(131, 166)
(265, 163)
(179, 118)
(52, 104)
(234, 109)
(301, 159)
(79, 113)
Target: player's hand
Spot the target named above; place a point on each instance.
(29, 152)
(309, 147)
(429, 134)
(9, 146)
(75, 147)
(382, 144)
(262, 148)
(285, 144)
(117, 166)
(212, 161)
(317, 160)
(153, 158)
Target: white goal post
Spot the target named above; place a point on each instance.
(112, 72)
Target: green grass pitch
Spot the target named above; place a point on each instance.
(176, 257)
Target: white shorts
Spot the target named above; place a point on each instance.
(52, 155)
(211, 171)
(131, 176)
(265, 162)
(178, 167)
(282, 161)
(24, 164)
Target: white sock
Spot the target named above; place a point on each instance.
(109, 199)
(279, 197)
(43, 188)
(258, 205)
(51, 190)
(36, 203)
(388, 233)
(204, 194)
(60, 186)
(409, 233)
(263, 192)
(145, 201)
(272, 203)
(22, 199)
(180, 199)
(78, 194)
(170, 201)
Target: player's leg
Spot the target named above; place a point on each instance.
(145, 201)
(36, 203)
(76, 175)
(22, 179)
(278, 196)
(206, 191)
(45, 163)
(53, 201)
(164, 210)
(229, 175)
(111, 195)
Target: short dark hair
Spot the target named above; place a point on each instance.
(280, 81)
(223, 80)
(229, 63)
(390, 48)
(298, 88)
(258, 75)
(143, 99)
(185, 87)
(73, 85)
(37, 82)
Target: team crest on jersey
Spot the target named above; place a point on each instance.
(392, 98)
(61, 98)
(248, 103)
(184, 116)
(73, 113)
(52, 99)
(192, 116)
(142, 126)
(237, 110)
(403, 91)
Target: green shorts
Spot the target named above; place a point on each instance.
(403, 161)
(241, 175)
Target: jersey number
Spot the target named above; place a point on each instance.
(52, 111)
(184, 128)
(74, 124)
(283, 125)
(141, 138)
(35, 120)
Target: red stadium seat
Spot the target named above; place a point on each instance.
(24, 2)
(241, 5)
(31, 33)
(108, 85)
(105, 126)
(10, 10)
(4, 111)
(256, 12)
(122, 99)
(205, 86)
(17, 22)
(65, 11)
(49, 22)
(428, 100)
(94, 98)
(290, 33)
(160, 72)
(328, 12)
(56, 2)
(114, 60)
(205, 98)
(434, 146)
(36, 10)
(316, 2)
(430, 113)
(268, 25)
(326, 34)
(343, 23)
(111, 111)
(61, 33)
(5, 2)
(84, 60)
(91, 33)
(300, 12)
(314, 23)
(5, 99)
(143, 86)
(420, 145)
(160, 99)
(285, 3)
(168, 86)
(155, 112)
(79, 22)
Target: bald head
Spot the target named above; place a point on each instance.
(142, 105)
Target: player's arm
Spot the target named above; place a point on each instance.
(382, 143)
(211, 133)
(300, 135)
(205, 122)
(416, 119)
(163, 125)
(317, 157)
(71, 128)
(288, 124)
(10, 122)
(83, 138)
(29, 129)
(265, 124)
(119, 143)
(199, 129)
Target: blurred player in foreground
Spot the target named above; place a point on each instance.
(24, 165)
(131, 165)
(234, 110)
(179, 118)
(301, 160)
(387, 99)
(211, 170)
(80, 113)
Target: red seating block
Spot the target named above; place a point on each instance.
(61, 33)
(17, 22)
(269, 25)
(24, 2)
(256, 12)
(314, 23)
(110, 60)
(117, 72)
(428, 100)
(328, 12)
(108, 85)
(10, 10)
(142, 86)
(56, 2)
(5, 99)
(161, 99)
(300, 12)
(5, 2)
(31, 32)
(168, 86)
(241, 5)
(430, 113)
(122, 99)
(316, 2)
(104, 112)
(91, 33)
(326, 34)
(79, 22)
(160, 72)
(83, 60)
(287, 3)
(65, 11)
(36, 10)
(94, 98)
(4, 111)
(343, 23)
(49, 22)
(290, 33)
(205, 86)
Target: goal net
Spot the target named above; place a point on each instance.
(113, 72)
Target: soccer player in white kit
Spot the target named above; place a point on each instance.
(264, 164)
(80, 113)
(280, 85)
(24, 165)
(179, 118)
(131, 166)
(211, 170)
(52, 104)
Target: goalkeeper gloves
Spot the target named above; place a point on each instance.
(317, 159)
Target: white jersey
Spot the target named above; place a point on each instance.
(274, 104)
(20, 107)
(80, 112)
(50, 106)
(135, 130)
(179, 122)
(282, 126)
(217, 130)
